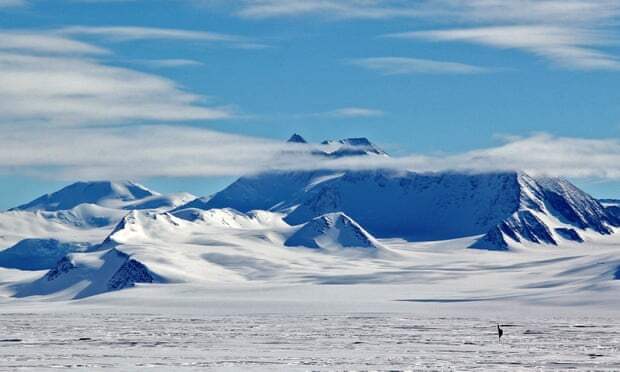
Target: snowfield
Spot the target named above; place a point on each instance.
(314, 270)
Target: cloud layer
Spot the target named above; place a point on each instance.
(57, 80)
(573, 34)
(174, 151)
(408, 66)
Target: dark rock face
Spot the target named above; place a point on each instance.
(296, 138)
(492, 241)
(569, 234)
(568, 211)
(613, 210)
(62, 267)
(130, 273)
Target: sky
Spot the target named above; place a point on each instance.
(186, 95)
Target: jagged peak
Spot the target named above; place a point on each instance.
(332, 229)
(351, 147)
(296, 138)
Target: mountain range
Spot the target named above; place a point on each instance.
(94, 237)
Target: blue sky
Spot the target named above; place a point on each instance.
(212, 87)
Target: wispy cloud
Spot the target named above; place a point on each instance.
(571, 34)
(46, 79)
(564, 46)
(335, 8)
(450, 11)
(349, 112)
(132, 33)
(11, 3)
(406, 66)
(354, 112)
(128, 33)
(169, 63)
(149, 151)
(38, 42)
(134, 152)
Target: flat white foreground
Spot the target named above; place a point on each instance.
(303, 327)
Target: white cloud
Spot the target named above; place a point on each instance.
(65, 90)
(175, 151)
(46, 79)
(132, 152)
(11, 3)
(570, 33)
(450, 11)
(568, 47)
(127, 33)
(337, 8)
(132, 33)
(355, 112)
(165, 63)
(404, 66)
(33, 42)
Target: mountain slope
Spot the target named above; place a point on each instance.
(103, 193)
(273, 190)
(429, 206)
(332, 231)
(551, 210)
(81, 275)
(37, 254)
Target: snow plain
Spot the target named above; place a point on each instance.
(434, 308)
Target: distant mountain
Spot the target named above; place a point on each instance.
(276, 189)
(296, 138)
(550, 210)
(88, 274)
(38, 254)
(332, 231)
(102, 193)
(351, 147)
(504, 208)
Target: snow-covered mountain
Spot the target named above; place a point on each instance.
(108, 194)
(38, 254)
(433, 206)
(34, 236)
(289, 226)
(88, 275)
(504, 207)
(351, 147)
(333, 231)
(102, 193)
